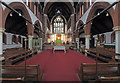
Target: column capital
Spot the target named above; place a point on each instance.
(45, 15)
(87, 36)
(2, 30)
(25, 39)
(116, 28)
(30, 36)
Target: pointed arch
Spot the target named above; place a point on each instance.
(117, 15)
(79, 24)
(38, 24)
(96, 6)
(20, 6)
(62, 22)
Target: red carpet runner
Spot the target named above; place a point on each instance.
(59, 66)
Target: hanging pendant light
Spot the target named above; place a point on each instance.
(11, 14)
(107, 14)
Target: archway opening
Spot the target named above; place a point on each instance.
(37, 31)
(54, 10)
(17, 26)
(102, 26)
(58, 29)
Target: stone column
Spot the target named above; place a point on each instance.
(72, 26)
(77, 41)
(117, 41)
(1, 40)
(87, 41)
(30, 38)
(65, 28)
(41, 45)
(51, 28)
(45, 27)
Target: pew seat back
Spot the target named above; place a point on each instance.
(89, 71)
(30, 72)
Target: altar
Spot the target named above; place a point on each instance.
(59, 48)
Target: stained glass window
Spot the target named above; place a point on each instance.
(58, 25)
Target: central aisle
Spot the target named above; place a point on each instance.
(59, 66)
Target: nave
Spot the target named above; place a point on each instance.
(67, 40)
(59, 66)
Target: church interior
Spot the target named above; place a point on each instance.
(60, 41)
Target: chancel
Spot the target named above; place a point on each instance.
(60, 41)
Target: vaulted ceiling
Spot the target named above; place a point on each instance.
(62, 7)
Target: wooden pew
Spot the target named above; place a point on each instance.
(32, 72)
(109, 78)
(88, 71)
(9, 52)
(101, 54)
(115, 79)
(2, 59)
(14, 58)
(11, 80)
(12, 51)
